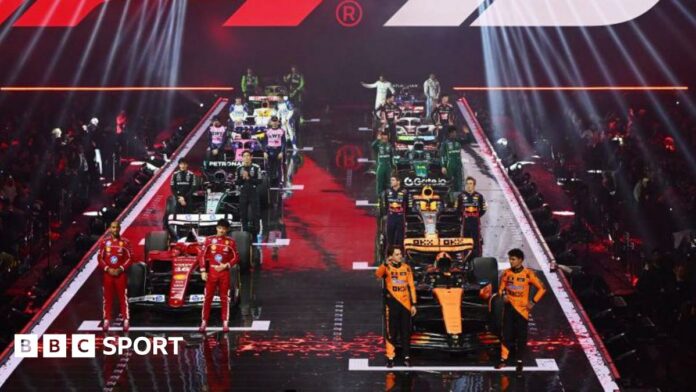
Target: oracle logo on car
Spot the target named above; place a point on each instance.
(430, 13)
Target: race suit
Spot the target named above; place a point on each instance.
(217, 250)
(285, 112)
(115, 252)
(295, 82)
(452, 161)
(249, 196)
(384, 153)
(515, 284)
(472, 206)
(182, 186)
(275, 145)
(388, 113)
(399, 297)
(443, 115)
(394, 203)
(431, 89)
(238, 113)
(249, 85)
(382, 89)
(217, 137)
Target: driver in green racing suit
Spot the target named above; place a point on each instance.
(384, 154)
(452, 160)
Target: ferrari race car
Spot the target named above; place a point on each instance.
(170, 279)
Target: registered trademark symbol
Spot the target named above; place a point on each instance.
(349, 13)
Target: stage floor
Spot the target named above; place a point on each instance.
(310, 317)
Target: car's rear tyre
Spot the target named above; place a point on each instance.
(170, 209)
(235, 284)
(243, 241)
(137, 274)
(486, 269)
(496, 315)
(156, 240)
(264, 192)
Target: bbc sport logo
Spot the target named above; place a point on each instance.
(85, 345)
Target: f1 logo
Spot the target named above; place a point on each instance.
(520, 12)
(286, 13)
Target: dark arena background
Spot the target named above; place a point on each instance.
(575, 118)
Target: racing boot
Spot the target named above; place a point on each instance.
(202, 328)
(105, 326)
(407, 361)
(126, 325)
(518, 369)
(225, 327)
(501, 364)
(390, 363)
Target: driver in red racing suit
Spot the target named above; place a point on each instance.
(219, 254)
(114, 257)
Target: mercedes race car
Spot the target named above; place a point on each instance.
(217, 197)
(170, 279)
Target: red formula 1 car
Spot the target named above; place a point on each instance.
(170, 279)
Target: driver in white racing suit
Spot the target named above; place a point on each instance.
(382, 86)
(238, 112)
(285, 110)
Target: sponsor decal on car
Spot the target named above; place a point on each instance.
(414, 182)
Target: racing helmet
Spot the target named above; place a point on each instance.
(443, 261)
(219, 177)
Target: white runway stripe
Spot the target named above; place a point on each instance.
(364, 203)
(362, 365)
(364, 129)
(95, 326)
(365, 160)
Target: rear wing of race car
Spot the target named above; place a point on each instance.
(201, 220)
(410, 139)
(424, 250)
(415, 184)
(436, 245)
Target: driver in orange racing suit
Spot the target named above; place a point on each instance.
(400, 303)
(219, 254)
(515, 285)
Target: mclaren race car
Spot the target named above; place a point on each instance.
(456, 308)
